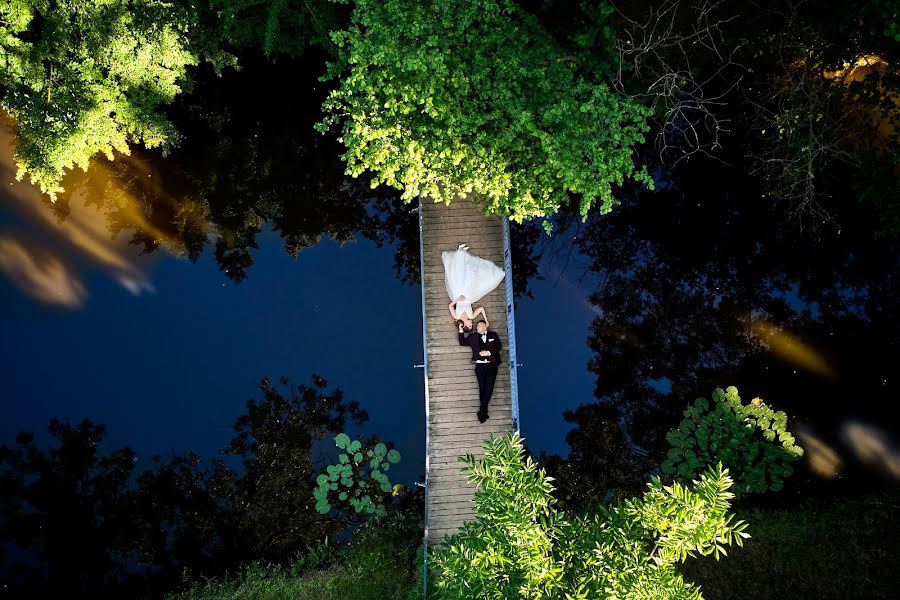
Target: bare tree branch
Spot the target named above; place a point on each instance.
(803, 125)
(662, 49)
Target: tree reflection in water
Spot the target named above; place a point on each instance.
(251, 160)
(704, 283)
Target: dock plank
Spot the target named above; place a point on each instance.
(452, 390)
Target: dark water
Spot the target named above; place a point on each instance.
(707, 283)
(156, 292)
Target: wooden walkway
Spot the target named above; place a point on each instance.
(451, 390)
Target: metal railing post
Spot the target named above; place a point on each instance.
(511, 326)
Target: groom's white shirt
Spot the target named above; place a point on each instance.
(484, 340)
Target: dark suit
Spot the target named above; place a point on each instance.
(486, 373)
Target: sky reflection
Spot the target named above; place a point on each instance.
(170, 372)
(50, 261)
(36, 272)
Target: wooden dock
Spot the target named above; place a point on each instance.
(451, 390)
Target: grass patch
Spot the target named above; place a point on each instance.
(841, 549)
(380, 563)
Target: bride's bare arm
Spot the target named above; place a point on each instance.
(453, 312)
(481, 311)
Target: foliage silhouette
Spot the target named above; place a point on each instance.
(601, 464)
(700, 282)
(95, 527)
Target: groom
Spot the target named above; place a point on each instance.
(485, 347)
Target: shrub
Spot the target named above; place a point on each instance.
(521, 546)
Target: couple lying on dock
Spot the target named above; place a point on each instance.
(468, 279)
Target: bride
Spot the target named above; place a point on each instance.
(468, 279)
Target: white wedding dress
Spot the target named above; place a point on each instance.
(469, 276)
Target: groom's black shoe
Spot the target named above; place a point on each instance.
(482, 416)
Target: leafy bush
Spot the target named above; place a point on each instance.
(521, 546)
(743, 437)
(358, 479)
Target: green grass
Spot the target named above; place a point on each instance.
(380, 564)
(841, 549)
(827, 549)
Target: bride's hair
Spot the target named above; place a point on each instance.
(459, 322)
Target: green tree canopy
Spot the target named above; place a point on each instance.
(451, 97)
(91, 76)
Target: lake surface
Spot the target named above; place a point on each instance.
(157, 292)
(166, 351)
